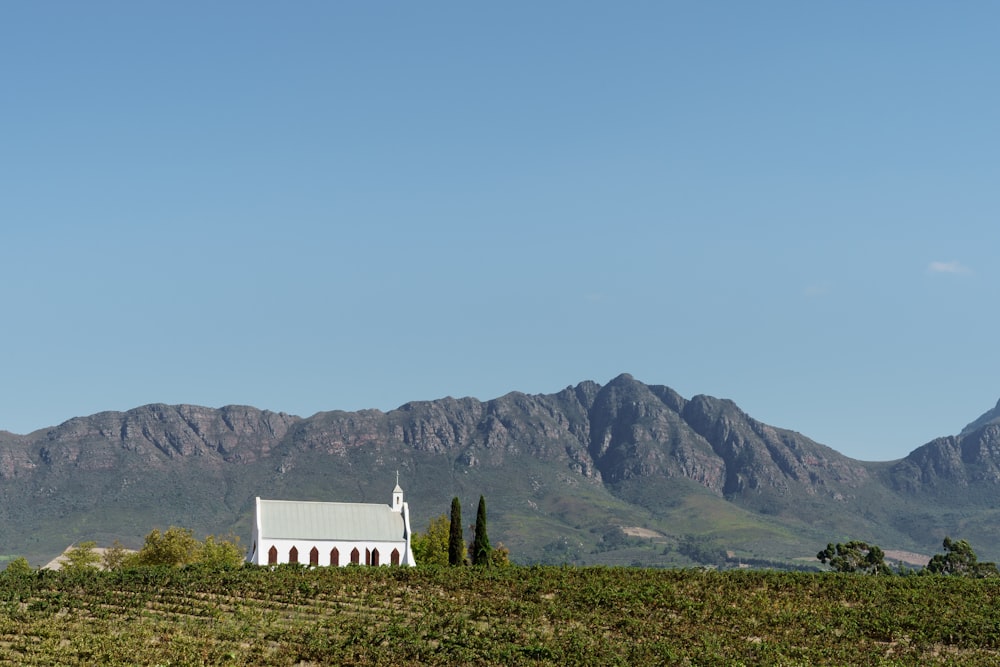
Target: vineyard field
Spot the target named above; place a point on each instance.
(505, 616)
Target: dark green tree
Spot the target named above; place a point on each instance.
(481, 551)
(701, 550)
(456, 543)
(855, 556)
(960, 560)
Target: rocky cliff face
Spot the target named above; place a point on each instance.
(154, 435)
(971, 458)
(985, 419)
(624, 430)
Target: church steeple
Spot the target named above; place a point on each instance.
(397, 496)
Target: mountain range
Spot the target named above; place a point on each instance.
(621, 473)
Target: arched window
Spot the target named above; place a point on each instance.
(374, 556)
(314, 557)
(272, 556)
(293, 555)
(368, 557)
(395, 556)
(355, 556)
(335, 557)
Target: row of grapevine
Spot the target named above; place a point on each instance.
(516, 615)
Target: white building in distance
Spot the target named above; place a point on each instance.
(332, 534)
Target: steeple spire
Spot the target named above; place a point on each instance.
(397, 495)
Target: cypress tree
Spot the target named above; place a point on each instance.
(456, 543)
(481, 542)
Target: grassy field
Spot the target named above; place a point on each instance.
(516, 615)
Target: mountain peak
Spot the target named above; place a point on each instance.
(624, 378)
(988, 417)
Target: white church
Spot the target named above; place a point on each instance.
(332, 534)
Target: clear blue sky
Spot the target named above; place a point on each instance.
(340, 205)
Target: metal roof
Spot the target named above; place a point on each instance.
(305, 520)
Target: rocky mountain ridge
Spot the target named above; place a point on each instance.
(615, 452)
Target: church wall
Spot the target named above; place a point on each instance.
(324, 547)
(260, 547)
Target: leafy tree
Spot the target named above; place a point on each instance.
(176, 546)
(500, 556)
(19, 565)
(612, 538)
(960, 560)
(117, 557)
(431, 548)
(221, 553)
(855, 556)
(480, 550)
(701, 550)
(81, 557)
(456, 543)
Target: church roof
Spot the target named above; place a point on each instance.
(306, 520)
